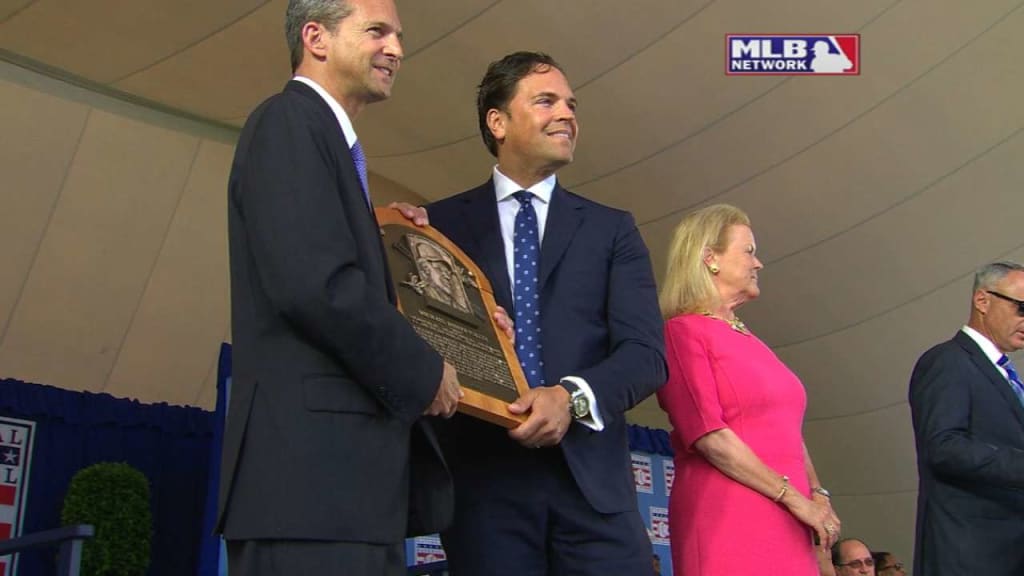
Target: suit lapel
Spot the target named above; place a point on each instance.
(350, 181)
(482, 217)
(350, 175)
(564, 216)
(994, 376)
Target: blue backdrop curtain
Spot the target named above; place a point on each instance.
(650, 440)
(211, 551)
(171, 445)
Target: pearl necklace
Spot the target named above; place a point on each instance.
(735, 322)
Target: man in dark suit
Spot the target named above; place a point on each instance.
(326, 464)
(554, 495)
(967, 403)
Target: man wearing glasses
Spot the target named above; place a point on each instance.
(851, 557)
(967, 403)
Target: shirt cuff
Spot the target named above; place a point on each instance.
(592, 420)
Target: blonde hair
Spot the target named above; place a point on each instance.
(687, 286)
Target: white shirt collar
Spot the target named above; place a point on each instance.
(985, 344)
(339, 112)
(505, 187)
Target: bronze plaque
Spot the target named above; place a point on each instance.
(450, 304)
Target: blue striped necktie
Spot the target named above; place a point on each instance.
(526, 240)
(360, 161)
(1013, 377)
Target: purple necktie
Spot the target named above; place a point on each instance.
(1013, 377)
(360, 161)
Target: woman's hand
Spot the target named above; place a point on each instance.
(725, 451)
(817, 514)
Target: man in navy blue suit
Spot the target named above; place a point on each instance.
(554, 495)
(967, 402)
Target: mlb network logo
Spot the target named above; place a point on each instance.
(792, 54)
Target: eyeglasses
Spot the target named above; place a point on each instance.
(896, 566)
(1019, 303)
(858, 564)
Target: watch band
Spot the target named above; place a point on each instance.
(579, 404)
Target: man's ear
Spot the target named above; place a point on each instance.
(314, 39)
(981, 301)
(496, 120)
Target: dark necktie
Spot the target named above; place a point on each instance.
(1014, 378)
(526, 240)
(360, 161)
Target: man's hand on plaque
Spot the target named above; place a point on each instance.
(448, 394)
(504, 322)
(549, 417)
(417, 214)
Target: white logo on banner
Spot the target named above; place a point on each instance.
(428, 549)
(659, 525)
(15, 462)
(643, 476)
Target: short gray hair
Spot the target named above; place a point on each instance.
(326, 12)
(990, 274)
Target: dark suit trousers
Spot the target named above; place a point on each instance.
(522, 514)
(308, 557)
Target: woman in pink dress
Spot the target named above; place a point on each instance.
(746, 499)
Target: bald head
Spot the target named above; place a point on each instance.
(851, 557)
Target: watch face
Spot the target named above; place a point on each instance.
(580, 406)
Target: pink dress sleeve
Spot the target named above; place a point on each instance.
(690, 397)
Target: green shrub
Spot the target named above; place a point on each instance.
(113, 497)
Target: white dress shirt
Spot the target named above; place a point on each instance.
(339, 112)
(990, 350)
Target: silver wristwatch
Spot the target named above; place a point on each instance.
(579, 404)
(822, 491)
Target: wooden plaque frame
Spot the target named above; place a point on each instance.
(444, 293)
